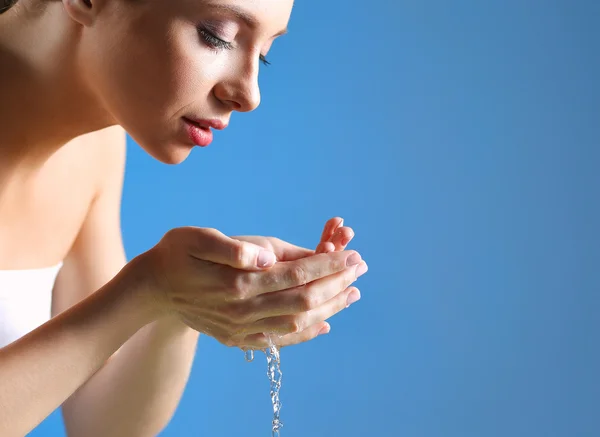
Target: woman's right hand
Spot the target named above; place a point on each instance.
(236, 291)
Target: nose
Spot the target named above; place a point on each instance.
(240, 91)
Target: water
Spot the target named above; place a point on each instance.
(274, 374)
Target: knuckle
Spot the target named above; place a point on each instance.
(236, 251)
(293, 325)
(243, 285)
(298, 275)
(239, 286)
(171, 235)
(337, 263)
(203, 237)
(208, 231)
(307, 300)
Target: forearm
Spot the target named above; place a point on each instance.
(41, 370)
(139, 389)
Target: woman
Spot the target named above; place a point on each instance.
(109, 341)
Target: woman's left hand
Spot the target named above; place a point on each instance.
(335, 237)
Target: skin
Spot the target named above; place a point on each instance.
(75, 77)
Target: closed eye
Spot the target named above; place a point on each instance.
(213, 41)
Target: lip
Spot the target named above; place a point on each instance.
(212, 123)
(199, 131)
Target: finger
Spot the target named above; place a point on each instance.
(297, 323)
(325, 247)
(261, 310)
(308, 334)
(261, 341)
(214, 246)
(342, 237)
(258, 341)
(288, 252)
(274, 312)
(330, 227)
(290, 274)
(329, 309)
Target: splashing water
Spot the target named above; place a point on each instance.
(274, 374)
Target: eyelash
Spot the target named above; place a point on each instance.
(215, 42)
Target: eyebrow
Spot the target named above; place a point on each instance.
(243, 15)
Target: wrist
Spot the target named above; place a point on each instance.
(137, 277)
(171, 326)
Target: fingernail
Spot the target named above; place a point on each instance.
(353, 297)
(324, 330)
(265, 259)
(345, 241)
(361, 269)
(353, 260)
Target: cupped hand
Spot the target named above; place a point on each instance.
(238, 289)
(335, 237)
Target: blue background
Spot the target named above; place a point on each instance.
(460, 139)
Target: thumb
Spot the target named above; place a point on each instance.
(214, 246)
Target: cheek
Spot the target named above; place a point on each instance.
(192, 74)
(150, 75)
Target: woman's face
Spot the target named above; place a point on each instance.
(159, 66)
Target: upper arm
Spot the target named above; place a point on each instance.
(97, 253)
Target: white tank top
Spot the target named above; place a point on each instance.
(25, 301)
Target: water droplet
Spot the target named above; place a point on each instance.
(249, 355)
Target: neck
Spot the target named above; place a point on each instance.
(46, 101)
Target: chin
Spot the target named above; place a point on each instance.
(170, 153)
